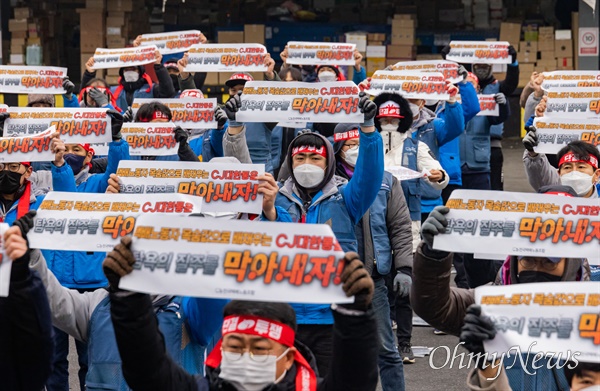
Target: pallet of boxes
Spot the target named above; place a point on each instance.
(25, 37)
(402, 45)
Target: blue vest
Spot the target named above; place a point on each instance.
(412, 188)
(382, 249)
(258, 138)
(544, 378)
(137, 94)
(104, 361)
(426, 134)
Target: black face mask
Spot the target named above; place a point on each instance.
(527, 276)
(10, 182)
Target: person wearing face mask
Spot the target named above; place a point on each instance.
(328, 73)
(445, 307)
(246, 359)
(134, 82)
(385, 243)
(17, 194)
(577, 166)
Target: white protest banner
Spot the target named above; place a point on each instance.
(75, 125)
(234, 57)
(150, 138)
(573, 103)
(5, 264)
(403, 173)
(488, 106)
(173, 41)
(273, 101)
(479, 52)
(410, 84)
(21, 79)
(294, 125)
(555, 318)
(224, 187)
(570, 79)
(448, 68)
(27, 148)
(320, 53)
(236, 259)
(188, 113)
(555, 133)
(96, 222)
(126, 57)
(528, 224)
(496, 257)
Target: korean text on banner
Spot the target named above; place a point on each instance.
(560, 318)
(238, 57)
(96, 222)
(403, 173)
(573, 103)
(83, 125)
(479, 52)
(5, 264)
(272, 101)
(236, 259)
(127, 57)
(448, 68)
(150, 139)
(16, 79)
(320, 53)
(410, 84)
(224, 187)
(488, 106)
(555, 133)
(528, 224)
(172, 42)
(188, 113)
(27, 148)
(570, 79)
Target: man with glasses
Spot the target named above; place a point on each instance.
(17, 196)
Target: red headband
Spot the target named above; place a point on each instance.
(156, 115)
(349, 135)
(310, 149)
(571, 158)
(266, 328)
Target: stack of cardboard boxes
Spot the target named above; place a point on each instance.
(402, 47)
(24, 31)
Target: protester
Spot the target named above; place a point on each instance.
(245, 359)
(207, 143)
(25, 327)
(97, 94)
(17, 194)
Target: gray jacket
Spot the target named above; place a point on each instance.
(235, 145)
(530, 105)
(539, 171)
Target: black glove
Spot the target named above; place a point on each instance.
(3, 118)
(98, 96)
(118, 263)
(128, 115)
(445, 51)
(512, 53)
(25, 223)
(367, 107)
(68, 86)
(531, 138)
(357, 282)
(435, 224)
(116, 124)
(221, 117)
(181, 136)
(462, 71)
(475, 331)
(233, 105)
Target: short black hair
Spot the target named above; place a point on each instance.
(97, 79)
(580, 149)
(146, 111)
(579, 369)
(295, 72)
(279, 312)
(309, 139)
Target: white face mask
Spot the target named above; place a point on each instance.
(309, 175)
(327, 76)
(414, 109)
(591, 388)
(247, 374)
(389, 127)
(131, 76)
(579, 181)
(351, 156)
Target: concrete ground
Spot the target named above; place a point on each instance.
(421, 376)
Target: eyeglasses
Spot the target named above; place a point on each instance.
(12, 167)
(346, 147)
(541, 263)
(256, 354)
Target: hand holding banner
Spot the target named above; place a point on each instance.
(448, 68)
(172, 42)
(27, 148)
(570, 79)
(127, 57)
(235, 259)
(239, 57)
(320, 53)
(479, 52)
(410, 84)
(188, 113)
(403, 173)
(555, 133)
(15, 79)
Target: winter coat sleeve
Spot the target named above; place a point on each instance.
(530, 105)
(117, 151)
(362, 189)
(99, 165)
(470, 101)
(186, 84)
(199, 79)
(216, 140)
(539, 171)
(165, 87)
(426, 161)
(282, 215)
(73, 102)
(63, 178)
(235, 145)
(86, 78)
(527, 90)
(355, 349)
(204, 317)
(477, 382)
(510, 83)
(359, 76)
(186, 154)
(433, 299)
(399, 227)
(145, 362)
(451, 126)
(503, 114)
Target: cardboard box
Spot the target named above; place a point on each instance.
(545, 32)
(510, 32)
(376, 37)
(17, 25)
(547, 55)
(359, 39)
(545, 66)
(120, 5)
(404, 24)
(375, 64)
(563, 48)
(254, 33)
(528, 46)
(116, 41)
(401, 51)
(526, 57)
(403, 37)
(22, 12)
(230, 37)
(34, 41)
(95, 4)
(212, 79)
(546, 44)
(375, 52)
(564, 63)
(19, 34)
